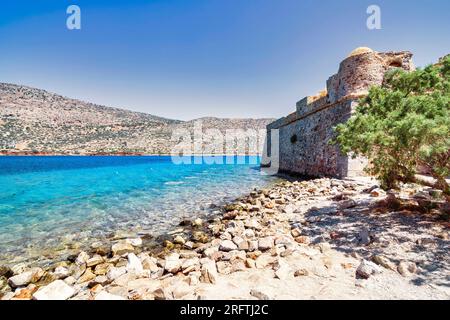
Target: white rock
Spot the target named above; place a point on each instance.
(209, 272)
(61, 272)
(367, 268)
(263, 261)
(114, 273)
(227, 245)
(134, 264)
(253, 224)
(253, 245)
(179, 239)
(103, 295)
(209, 252)
(95, 260)
(8, 296)
(190, 265)
(82, 258)
(121, 248)
(26, 277)
(283, 273)
(248, 234)
(324, 247)
(180, 289)
(406, 268)
(19, 268)
(193, 279)
(259, 294)
(384, 262)
(197, 222)
(150, 263)
(57, 290)
(70, 280)
(172, 263)
(265, 243)
(135, 242)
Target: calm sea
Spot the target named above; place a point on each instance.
(50, 203)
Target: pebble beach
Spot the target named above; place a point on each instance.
(313, 239)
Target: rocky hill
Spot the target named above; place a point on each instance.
(37, 121)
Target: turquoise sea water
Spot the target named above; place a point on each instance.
(48, 202)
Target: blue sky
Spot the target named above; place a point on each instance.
(191, 58)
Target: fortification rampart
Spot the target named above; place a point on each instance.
(304, 135)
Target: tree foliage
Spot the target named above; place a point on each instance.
(403, 124)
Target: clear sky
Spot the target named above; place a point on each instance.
(185, 59)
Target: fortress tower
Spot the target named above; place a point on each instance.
(304, 135)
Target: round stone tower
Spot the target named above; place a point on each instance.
(362, 69)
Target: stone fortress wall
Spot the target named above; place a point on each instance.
(304, 135)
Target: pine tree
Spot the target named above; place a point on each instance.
(403, 124)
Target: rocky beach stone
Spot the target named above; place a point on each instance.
(121, 248)
(102, 269)
(114, 273)
(179, 240)
(282, 271)
(18, 268)
(294, 240)
(70, 280)
(366, 269)
(95, 260)
(180, 290)
(263, 261)
(406, 268)
(172, 263)
(57, 290)
(150, 264)
(248, 234)
(224, 267)
(259, 294)
(384, 262)
(82, 258)
(61, 272)
(88, 275)
(301, 272)
(252, 245)
(209, 271)
(227, 245)
(265, 243)
(162, 294)
(197, 222)
(303, 239)
(30, 276)
(324, 247)
(134, 264)
(135, 242)
(103, 295)
(190, 265)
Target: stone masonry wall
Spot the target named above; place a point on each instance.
(304, 135)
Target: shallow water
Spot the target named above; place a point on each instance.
(48, 202)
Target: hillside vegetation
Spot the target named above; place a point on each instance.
(34, 120)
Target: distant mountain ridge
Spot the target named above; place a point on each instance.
(40, 122)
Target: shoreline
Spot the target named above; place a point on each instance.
(273, 236)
